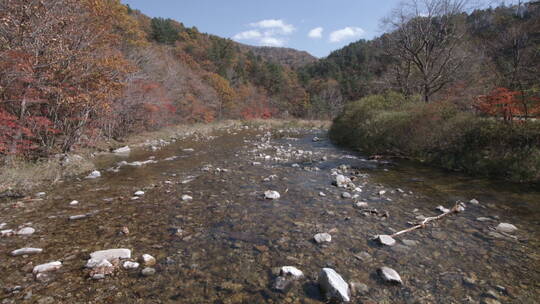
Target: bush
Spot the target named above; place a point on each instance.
(442, 134)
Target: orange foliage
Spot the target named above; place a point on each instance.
(507, 104)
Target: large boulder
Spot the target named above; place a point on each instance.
(333, 286)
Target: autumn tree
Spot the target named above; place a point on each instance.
(425, 41)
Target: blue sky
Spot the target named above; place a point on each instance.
(316, 26)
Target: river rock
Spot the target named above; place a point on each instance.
(385, 240)
(474, 202)
(51, 266)
(186, 198)
(7, 232)
(389, 275)
(410, 243)
(148, 260)
(291, 271)
(282, 284)
(361, 205)
(271, 194)
(77, 217)
(123, 150)
(94, 174)
(26, 250)
(139, 193)
(333, 286)
(341, 181)
(506, 228)
(26, 231)
(442, 209)
(358, 288)
(109, 255)
(346, 195)
(148, 271)
(322, 238)
(130, 265)
(73, 203)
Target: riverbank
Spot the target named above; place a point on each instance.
(442, 135)
(19, 176)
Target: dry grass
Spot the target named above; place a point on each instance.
(23, 176)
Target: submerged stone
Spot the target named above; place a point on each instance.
(334, 286)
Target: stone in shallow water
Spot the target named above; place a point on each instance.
(346, 195)
(148, 260)
(111, 254)
(94, 174)
(130, 265)
(139, 193)
(77, 217)
(342, 181)
(390, 275)
(26, 231)
(271, 194)
(186, 198)
(506, 228)
(322, 238)
(361, 205)
(148, 271)
(334, 286)
(410, 243)
(385, 240)
(26, 250)
(282, 284)
(474, 201)
(123, 150)
(291, 271)
(359, 288)
(51, 266)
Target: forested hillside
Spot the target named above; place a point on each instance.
(73, 71)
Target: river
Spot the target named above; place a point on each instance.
(226, 244)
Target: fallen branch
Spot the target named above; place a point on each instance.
(458, 207)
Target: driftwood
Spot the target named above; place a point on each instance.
(458, 207)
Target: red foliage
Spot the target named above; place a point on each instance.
(507, 104)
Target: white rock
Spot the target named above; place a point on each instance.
(390, 275)
(474, 201)
(346, 195)
(322, 194)
(442, 209)
(7, 232)
(123, 150)
(506, 228)
(130, 265)
(188, 150)
(271, 194)
(51, 266)
(342, 181)
(322, 237)
(92, 263)
(26, 250)
(139, 193)
(385, 240)
(186, 198)
(148, 260)
(111, 254)
(334, 286)
(382, 192)
(77, 217)
(361, 205)
(148, 271)
(2, 225)
(26, 231)
(41, 194)
(291, 271)
(94, 174)
(73, 203)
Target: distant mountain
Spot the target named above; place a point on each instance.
(286, 56)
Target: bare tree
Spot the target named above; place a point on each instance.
(424, 42)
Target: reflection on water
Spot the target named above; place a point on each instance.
(232, 239)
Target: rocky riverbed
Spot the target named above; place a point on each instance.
(214, 219)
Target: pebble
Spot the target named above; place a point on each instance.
(7, 232)
(26, 231)
(94, 174)
(333, 286)
(346, 195)
(148, 260)
(410, 243)
(322, 237)
(474, 201)
(389, 275)
(385, 240)
(148, 271)
(186, 198)
(26, 250)
(130, 265)
(358, 288)
(361, 205)
(51, 266)
(271, 194)
(442, 209)
(322, 194)
(139, 193)
(291, 271)
(506, 228)
(73, 203)
(77, 217)
(341, 181)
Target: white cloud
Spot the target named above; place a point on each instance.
(269, 32)
(316, 33)
(346, 33)
(274, 24)
(271, 41)
(251, 34)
